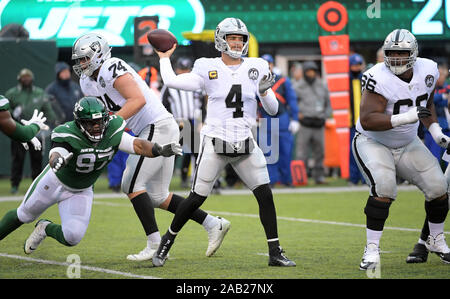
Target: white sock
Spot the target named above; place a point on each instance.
(373, 236)
(421, 241)
(436, 228)
(153, 238)
(210, 222)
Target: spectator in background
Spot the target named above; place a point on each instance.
(296, 74)
(280, 171)
(315, 107)
(24, 98)
(380, 55)
(185, 107)
(440, 103)
(356, 71)
(14, 30)
(63, 92)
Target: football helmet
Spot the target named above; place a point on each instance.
(91, 117)
(89, 52)
(400, 40)
(231, 26)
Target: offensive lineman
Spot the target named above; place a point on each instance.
(146, 182)
(80, 151)
(394, 97)
(232, 84)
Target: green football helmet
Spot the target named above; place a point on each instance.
(91, 117)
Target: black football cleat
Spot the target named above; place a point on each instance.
(418, 255)
(278, 259)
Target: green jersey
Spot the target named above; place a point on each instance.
(89, 159)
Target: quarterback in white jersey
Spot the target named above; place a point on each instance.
(396, 95)
(232, 84)
(146, 182)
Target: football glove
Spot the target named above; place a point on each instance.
(35, 142)
(266, 82)
(38, 118)
(294, 126)
(60, 162)
(440, 138)
(166, 150)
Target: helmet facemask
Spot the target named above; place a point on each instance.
(94, 128)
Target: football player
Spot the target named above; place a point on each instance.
(146, 182)
(80, 151)
(232, 84)
(396, 95)
(18, 132)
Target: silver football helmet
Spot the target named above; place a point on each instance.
(231, 26)
(89, 52)
(400, 40)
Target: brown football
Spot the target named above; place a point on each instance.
(161, 39)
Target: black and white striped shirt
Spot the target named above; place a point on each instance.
(182, 104)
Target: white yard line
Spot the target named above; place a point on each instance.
(89, 268)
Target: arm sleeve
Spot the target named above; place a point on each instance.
(187, 81)
(24, 133)
(269, 102)
(63, 148)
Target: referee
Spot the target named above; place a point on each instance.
(186, 107)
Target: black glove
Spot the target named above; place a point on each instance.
(166, 150)
(423, 112)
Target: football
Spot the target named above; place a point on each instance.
(161, 39)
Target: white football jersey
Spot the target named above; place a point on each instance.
(401, 96)
(103, 88)
(232, 93)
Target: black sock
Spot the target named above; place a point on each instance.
(185, 210)
(144, 210)
(198, 215)
(425, 230)
(377, 212)
(267, 212)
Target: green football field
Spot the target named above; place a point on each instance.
(322, 231)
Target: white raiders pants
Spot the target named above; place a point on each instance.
(74, 206)
(251, 168)
(413, 162)
(152, 174)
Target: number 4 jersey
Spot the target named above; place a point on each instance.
(232, 92)
(400, 96)
(89, 159)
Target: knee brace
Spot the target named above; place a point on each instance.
(437, 210)
(377, 212)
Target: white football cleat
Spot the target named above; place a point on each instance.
(36, 237)
(371, 257)
(216, 235)
(439, 246)
(146, 254)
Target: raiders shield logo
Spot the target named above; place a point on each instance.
(429, 80)
(253, 74)
(102, 82)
